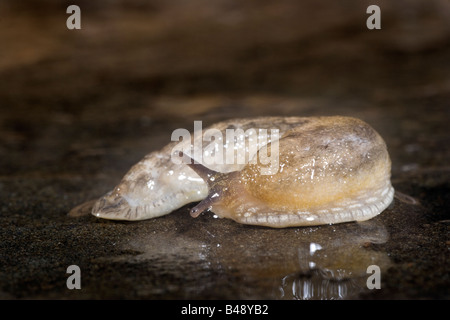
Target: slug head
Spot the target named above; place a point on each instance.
(150, 190)
(113, 205)
(217, 184)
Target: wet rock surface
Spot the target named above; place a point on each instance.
(80, 107)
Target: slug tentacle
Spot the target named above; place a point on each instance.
(209, 176)
(216, 182)
(204, 205)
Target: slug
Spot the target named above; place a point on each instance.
(329, 170)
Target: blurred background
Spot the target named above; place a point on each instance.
(79, 107)
(139, 69)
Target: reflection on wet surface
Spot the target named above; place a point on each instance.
(338, 268)
(327, 262)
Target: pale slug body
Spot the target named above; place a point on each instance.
(331, 170)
